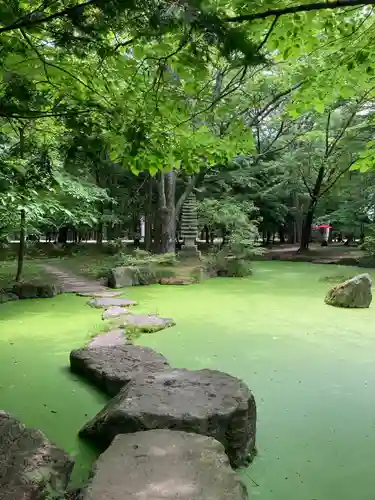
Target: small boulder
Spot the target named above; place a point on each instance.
(148, 323)
(31, 466)
(352, 293)
(205, 402)
(123, 276)
(7, 297)
(146, 275)
(112, 367)
(120, 277)
(35, 290)
(166, 465)
(105, 303)
(114, 312)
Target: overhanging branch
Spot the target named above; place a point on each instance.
(35, 18)
(310, 7)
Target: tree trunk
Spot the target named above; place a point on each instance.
(167, 209)
(148, 216)
(99, 234)
(63, 235)
(362, 234)
(306, 228)
(207, 234)
(314, 197)
(21, 247)
(136, 230)
(224, 234)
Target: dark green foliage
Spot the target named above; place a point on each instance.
(25, 290)
(369, 245)
(224, 265)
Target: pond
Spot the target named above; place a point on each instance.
(310, 366)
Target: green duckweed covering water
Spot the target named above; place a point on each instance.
(310, 366)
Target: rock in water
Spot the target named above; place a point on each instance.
(112, 367)
(353, 293)
(31, 467)
(205, 402)
(148, 323)
(105, 303)
(114, 312)
(112, 338)
(164, 464)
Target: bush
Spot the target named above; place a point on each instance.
(114, 247)
(220, 264)
(369, 245)
(142, 257)
(164, 273)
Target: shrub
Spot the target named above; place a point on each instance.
(369, 245)
(164, 273)
(221, 264)
(114, 247)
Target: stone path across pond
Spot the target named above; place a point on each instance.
(182, 421)
(103, 297)
(81, 285)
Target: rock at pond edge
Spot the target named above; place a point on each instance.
(31, 466)
(352, 293)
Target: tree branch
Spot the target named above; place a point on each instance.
(305, 183)
(310, 7)
(339, 136)
(124, 44)
(262, 113)
(263, 43)
(34, 115)
(340, 174)
(327, 134)
(34, 18)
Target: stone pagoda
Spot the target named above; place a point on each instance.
(189, 227)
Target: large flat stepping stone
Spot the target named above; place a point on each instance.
(31, 466)
(205, 402)
(112, 338)
(112, 367)
(146, 322)
(99, 294)
(114, 312)
(163, 464)
(105, 303)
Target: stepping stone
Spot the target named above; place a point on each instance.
(105, 303)
(112, 338)
(205, 402)
(164, 464)
(114, 312)
(146, 322)
(110, 368)
(31, 466)
(103, 294)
